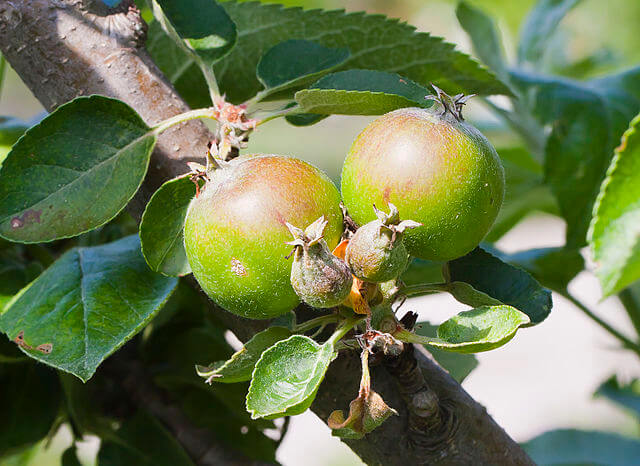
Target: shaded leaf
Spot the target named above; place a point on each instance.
(481, 329)
(294, 63)
(627, 395)
(74, 171)
(552, 267)
(287, 377)
(525, 191)
(361, 92)
(81, 407)
(29, 403)
(614, 234)
(630, 299)
(304, 119)
(539, 27)
(16, 271)
(504, 282)
(484, 37)
(587, 122)
(458, 365)
(178, 66)
(69, 457)
(421, 271)
(142, 441)
(162, 227)
(240, 367)
(170, 353)
(375, 43)
(86, 305)
(204, 25)
(568, 446)
(231, 426)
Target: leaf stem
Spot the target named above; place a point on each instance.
(207, 70)
(423, 288)
(626, 342)
(317, 322)
(191, 115)
(343, 329)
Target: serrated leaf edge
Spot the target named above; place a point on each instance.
(290, 405)
(595, 219)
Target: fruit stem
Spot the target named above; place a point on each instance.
(626, 342)
(343, 329)
(316, 322)
(191, 115)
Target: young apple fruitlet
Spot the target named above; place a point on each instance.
(235, 230)
(376, 252)
(318, 277)
(436, 168)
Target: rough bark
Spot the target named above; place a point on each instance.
(66, 48)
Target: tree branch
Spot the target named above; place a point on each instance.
(65, 48)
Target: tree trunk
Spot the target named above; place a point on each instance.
(66, 48)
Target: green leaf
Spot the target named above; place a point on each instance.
(525, 191)
(287, 377)
(614, 234)
(627, 395)
(74, 171)
(143, 441)
(29, 404)
(70, 458)
(304, 119)
(458, 365)
(484, 37)
(240, 367)
(375, 43)
(587, 122)
(421, 271)
(230, 425)
(162, 227)
(552, 267)
(361, 92)
(579, 447)
(294, 63)
(481, 329)
(507, 284)
(178, 66)
(539, 27)
(16, 271)
(81, 408)
(86, 305)
(10, 130)
(204, 25)
(630, 299)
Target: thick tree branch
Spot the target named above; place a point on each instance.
(65, 48)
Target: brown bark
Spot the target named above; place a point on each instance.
(63, 49)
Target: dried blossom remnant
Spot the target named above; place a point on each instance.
(366, 412)
(234, 127)
(450, 104)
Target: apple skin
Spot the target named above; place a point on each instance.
(437, 170)
(235, 231)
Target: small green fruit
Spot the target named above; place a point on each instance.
(318, 277)
(436, 168)
(376, 252)
(235, 230)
